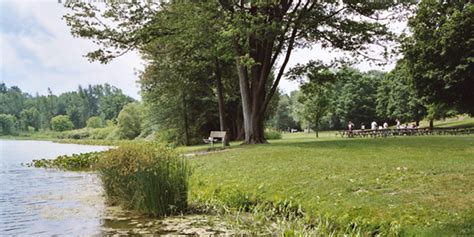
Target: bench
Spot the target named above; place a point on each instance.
(214, 136)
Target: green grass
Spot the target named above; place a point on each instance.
(456, 122)
(423, 183)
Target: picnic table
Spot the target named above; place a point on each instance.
(405, 132)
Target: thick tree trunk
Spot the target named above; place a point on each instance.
(431, 124)
(246, 104)
(252, 105)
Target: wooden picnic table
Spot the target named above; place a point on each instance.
(405, 132)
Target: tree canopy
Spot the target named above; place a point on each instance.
(440, 53)
(105, 101)
(255, 35)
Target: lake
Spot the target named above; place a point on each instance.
(47, 201)
(37, 201)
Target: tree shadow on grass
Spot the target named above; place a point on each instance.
(389, 142)
(465, 228)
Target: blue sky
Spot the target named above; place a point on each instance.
(37, 52)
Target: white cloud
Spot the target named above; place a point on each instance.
(54, 58)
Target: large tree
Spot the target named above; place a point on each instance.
(440, 53)
(259, 33)
(396, 96)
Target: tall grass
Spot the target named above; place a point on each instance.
(147, 177)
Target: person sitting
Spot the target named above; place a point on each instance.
(385, 125)
(362, 126)
(350, 127)
(373, 125)
(398, 124)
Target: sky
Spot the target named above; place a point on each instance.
(37, 52)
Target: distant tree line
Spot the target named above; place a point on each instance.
(23, 111)
(329, 98)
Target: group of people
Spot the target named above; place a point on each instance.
(375, 126)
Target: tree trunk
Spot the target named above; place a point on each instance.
(185, 120)
(220, 101)
(431, 124)
(253, 81)
(317, 127)
(253, 134)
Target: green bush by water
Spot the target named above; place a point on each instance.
(147, 177)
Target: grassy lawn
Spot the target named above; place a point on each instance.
(456, 122)
(426, 184)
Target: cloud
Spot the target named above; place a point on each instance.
(37, 52)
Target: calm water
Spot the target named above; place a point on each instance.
(47, 202)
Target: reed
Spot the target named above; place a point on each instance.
(147, 177)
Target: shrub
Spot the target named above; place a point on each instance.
(61, 123)
(76, 134)
(130, 121)
(102, 133)
(7, 124)
(94, 122)
(272, 134)
(146, 177)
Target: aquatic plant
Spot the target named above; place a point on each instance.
(83, 161)
(147, 177)
(285, 218)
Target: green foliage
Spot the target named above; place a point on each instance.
(109, 133)
(83, 161)
(272, 134)
(37, 111)
(181, 85)
(284, 119)
(94, 122)
(440, 53)
(185, 41)
(11, 100)
(130, 121)
(7, 124)
(355, 97)
(317, 94)
(396, 98)
(146, 177)
(30, 117)
(61, 123)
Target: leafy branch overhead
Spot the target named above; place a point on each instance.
(259, 36)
